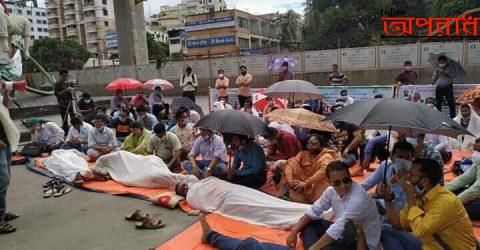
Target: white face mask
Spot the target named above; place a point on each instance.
(408, 67)
(221, 76)
(87, 101)
(442, 65)
(284, 68)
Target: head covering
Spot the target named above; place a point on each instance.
(32, 121)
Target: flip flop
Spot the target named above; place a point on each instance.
(47, 193)
(150, 223)
(136, 216)
(6, 228)
(49, 183)
(62, 191)
(10, 217)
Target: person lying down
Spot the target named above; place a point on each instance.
(241, 203)
(139, 171)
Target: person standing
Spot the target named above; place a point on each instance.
(443, 81)
(9, 138)
(63, 92)
(408, 76)
(221, 84)
(286, 73)
(189, 84)
(337, 78)
(244, 80)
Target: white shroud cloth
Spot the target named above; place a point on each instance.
(244, 204)
(141, 171)
(66, 163)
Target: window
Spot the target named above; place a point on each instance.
(209, 1)
(105, 12)
(39, 21)
(243, 43)
(40, 37)
(31, 29)
(30, 20)
(19, 12)
(44, 22)
(32, 37)
(243, 23)
(37, 13)
(45, 30)
(39, 29)
(104, 2)
(29, 12)
(44, 14)
(106, 24)
(9, 10)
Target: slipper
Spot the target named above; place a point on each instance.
(49, 183)
(10, 217)
(47, 193)
(149, 223)
(62, 191)
(6, 228)
(136, 216)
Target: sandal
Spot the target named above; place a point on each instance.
(47, 193)
(6, 228)
(149, 223)
(136, 216)
(10, 217)
(49, 183)
(62, 190)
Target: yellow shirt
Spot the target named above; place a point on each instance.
(439, 211)
(244, 82)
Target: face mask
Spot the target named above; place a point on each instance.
(187, 121)
(442, 65)
(408, 67)
(221, 75)
(284, 68)
(87, 101)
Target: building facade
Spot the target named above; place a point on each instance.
(85, 21)
(229, 32)
(36, 15)
(159, 33)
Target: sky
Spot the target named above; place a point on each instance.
(252, 6)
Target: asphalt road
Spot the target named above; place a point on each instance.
(81, 219)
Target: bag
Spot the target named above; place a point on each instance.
(33, 149)
(194, 78)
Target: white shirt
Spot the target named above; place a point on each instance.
(357, 205)
(49, 133)
(254, 112)
(190, 78)
(82, 134)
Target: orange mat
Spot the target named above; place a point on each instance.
(115, 188)
(226, 226)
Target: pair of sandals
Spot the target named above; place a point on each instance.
(55, 188)
(146, 220)
(6, 228)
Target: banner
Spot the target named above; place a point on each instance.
(395, 56)
(210, 23)
(473, 53)
(451, 50)
(320, 61)
(358, 58)
(207, 42)
(228, 65)
(332, 93)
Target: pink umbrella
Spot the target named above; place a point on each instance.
(164, 84)
(124, 84)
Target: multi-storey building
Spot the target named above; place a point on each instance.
(36, 15)
(85, 21)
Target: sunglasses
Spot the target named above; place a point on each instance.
(346, 180)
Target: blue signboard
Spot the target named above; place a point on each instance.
(207, 42)
(210, 23)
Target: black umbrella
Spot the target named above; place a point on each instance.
(187, 103)
(234, 122)
(398, 115)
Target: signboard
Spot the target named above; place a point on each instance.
(228, 65)
(210, 23)
(332, 93)
(207, 42)
(395, 56)
(451, 50)
(147, 72)
(473, 53)
(256, 65)
(294, 56)
(201, 68)
(320, 61)
(172, 70)
(86, 77)
(358, 58)
(106, 75)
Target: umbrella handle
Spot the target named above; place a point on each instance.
(386, 160)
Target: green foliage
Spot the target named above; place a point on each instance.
(448, 8)
(156, 50)
(290, 26)
(53, 55)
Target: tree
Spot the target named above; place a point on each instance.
(451, 8)
(290, 26)
(54, 55)
(156, 50)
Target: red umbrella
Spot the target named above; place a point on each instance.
(124, 84)
(260, 101)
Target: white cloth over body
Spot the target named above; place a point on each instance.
(244, 204)
(465, 142)
(66, 163)
(141, 171)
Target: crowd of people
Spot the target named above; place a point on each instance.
(413, 209)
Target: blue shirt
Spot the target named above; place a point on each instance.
(376, 178)
(208, 149)
(253, 158)
(447, 80)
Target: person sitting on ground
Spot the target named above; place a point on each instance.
(345, 99)
(399, 164)
(101, 140)
(147, 120)
(116, 100)
(304, 177)
(425, 150)
(165, 145)
(286, 73)
(251, 158)
(194, 116)
(467, 185)
(224, 102)
(240, 203)
(214, 153)
(346, 139)
(476, 105)
(46, 132)
(77, 137)
(157, 104)
(376, 147)
(116, 114)
(139, 99)
(416, 97)
(136, 142)
(470, 121)
(434, 215)
(271, 106)
(184, 129)
(349, 202)
(86, 107)
(283, 145)
(103, 111)
(120, 125)
(248, 108)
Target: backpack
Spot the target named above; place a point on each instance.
(33, 149)
(194, 78)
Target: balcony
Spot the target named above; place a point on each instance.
(53, 25)
(67, 2)
(71, 32)
(89, 6)
(91, 28)
(51, 4)
(52, 14)
(69, 11)
(91, 39)
(70, 21)
(90, 18)
(54, 34)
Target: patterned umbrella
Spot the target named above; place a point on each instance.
(469, 95)
(300, 117)
(164, 84)
(276, 63)
(124, 84)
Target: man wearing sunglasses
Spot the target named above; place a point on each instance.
(349, 202)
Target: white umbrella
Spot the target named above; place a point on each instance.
(294, 90)
(151, 84)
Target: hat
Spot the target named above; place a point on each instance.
(32, 121)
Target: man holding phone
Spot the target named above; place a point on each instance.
(189, 84)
